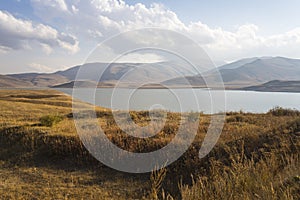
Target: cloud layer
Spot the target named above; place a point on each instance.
(102, 18)
(70, 24)
(21, 34)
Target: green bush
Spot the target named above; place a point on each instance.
(50, 120)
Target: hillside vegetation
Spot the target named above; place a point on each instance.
(42, 157)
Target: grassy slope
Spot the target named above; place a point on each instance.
(39, 162)
(10, 82)
(257, 156)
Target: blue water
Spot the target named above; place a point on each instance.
(207, 101)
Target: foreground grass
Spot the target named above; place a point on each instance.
(257, 156)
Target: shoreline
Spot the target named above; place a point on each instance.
(152, 87)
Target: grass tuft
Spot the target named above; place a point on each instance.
(50, 120)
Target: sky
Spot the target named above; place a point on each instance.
(51, 35)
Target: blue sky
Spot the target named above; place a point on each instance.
(41, 34)
(272, 16)
(22, 8)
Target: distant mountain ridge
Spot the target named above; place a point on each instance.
(249, 72)
(263, 70)
(106, 74)
(239, 74)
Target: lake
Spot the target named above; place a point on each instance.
(183, 100)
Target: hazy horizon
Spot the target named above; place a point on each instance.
(67, 68)
(228, 31)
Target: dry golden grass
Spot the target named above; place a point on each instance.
(257, 156)
(268, 178)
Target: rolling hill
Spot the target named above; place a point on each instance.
(239, 74)
(11, 82)
(276, 86)
(71, 84)
(110, 74)
(37, 79)
(125, 72)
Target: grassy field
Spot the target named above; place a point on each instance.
(42, 157)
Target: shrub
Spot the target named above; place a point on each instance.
(50, 120)
(279, 111)
(237, 118)
(193, 116)
(294, 126)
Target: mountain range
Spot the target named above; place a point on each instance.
(126, 73)
(240, 74)
(248, 72)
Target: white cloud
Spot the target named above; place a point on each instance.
(91, 21)
(103, 18)
(46, 49)
(288, 38)
(74, 9)
(95, 33)
(39, 67)
(4, 49)
(19, 33)
(140, 58)
(56, 4)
